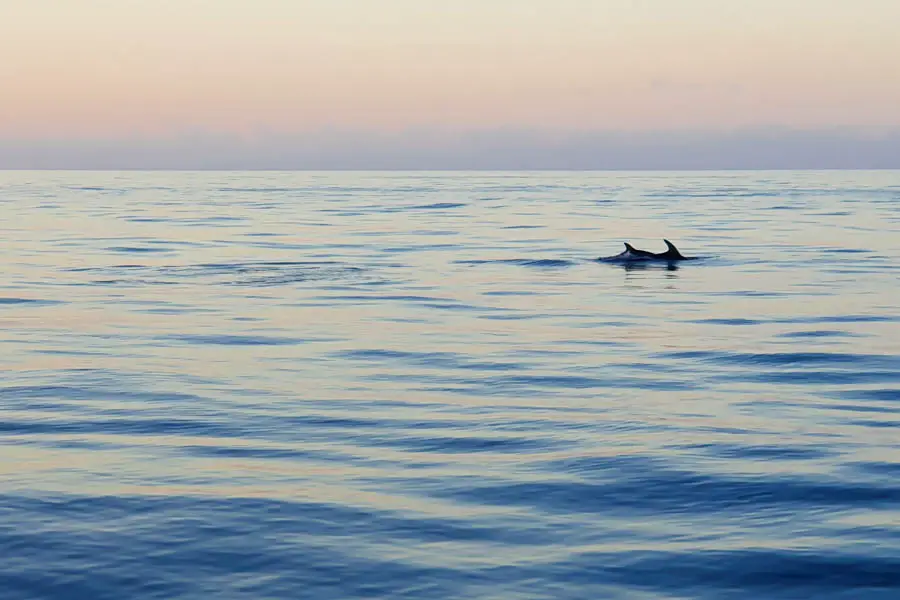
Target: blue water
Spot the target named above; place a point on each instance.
(363, 385)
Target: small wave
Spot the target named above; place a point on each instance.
(789, 358)
(798, 320)
(658, 490)
(435, 360)
(764, 452)
(437, 206)
(240, 340)
(818, 333)
(246, 274)
(28, 302)
(756, 572)
(842, 319)
(263, 190)
(735, 321)
(137, 249)
(714, 193)
(465, 444)
(882, 395)
(546, 263)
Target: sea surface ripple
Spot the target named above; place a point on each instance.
(274, 385)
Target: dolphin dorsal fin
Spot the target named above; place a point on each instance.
(629, 247)
(671, 248)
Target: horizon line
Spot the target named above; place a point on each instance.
(442, 170)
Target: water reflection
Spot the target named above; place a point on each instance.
(492, 399)
(648, 265)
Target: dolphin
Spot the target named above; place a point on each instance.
(632, 254)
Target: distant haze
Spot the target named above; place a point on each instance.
(467, 84)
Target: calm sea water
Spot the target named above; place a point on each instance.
(363, 385)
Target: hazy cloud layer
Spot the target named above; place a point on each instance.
(483, 150)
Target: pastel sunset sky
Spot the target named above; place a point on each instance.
(414, 76)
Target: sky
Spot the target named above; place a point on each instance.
(461, 84)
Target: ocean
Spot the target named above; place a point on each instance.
(340, 385)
